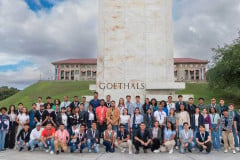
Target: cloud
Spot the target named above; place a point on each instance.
(69, 30)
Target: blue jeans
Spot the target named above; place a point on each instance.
(215, 138)
(108, 146)
(74, 146)
(94, 144)
(115, 128)
(126, 126)
(190, 146)
(2, 139)
(50, 144)
(195, 133)
(235, 136)
(33, 143)
(180, 128)
(21, 144)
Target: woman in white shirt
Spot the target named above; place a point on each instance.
(183, 116)
(90, 116)
(22, 119)
(121, 105)
(125, 119)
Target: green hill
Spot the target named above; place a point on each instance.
(55, 89)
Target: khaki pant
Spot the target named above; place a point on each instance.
(61, 144)
(125, 145)
(168, 146)
(228, 138)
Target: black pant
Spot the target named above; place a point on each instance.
(101, 129)
(138, 144)
(155, 144)
(10, 136)
(208, 145)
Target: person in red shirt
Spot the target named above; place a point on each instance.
(101, 118)
(47, 138)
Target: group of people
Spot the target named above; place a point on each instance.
(158, 126)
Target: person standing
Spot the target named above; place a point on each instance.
(160, 115)
(201, 104)
(125, 119)
(215, 122)
(92, 138)
(214, 105)
(90, 116)
(113, 116)
(65, 102)
(108, 101)
(179, 102)
(40, 102)
(137, 104)
(75, 103)
(227, 135)
(31, 114)
(237, 125)
(191, 109)
(135, 122)
(207, 120)
(221, 106)
(170, 104)
(95, 102)
(142, 138)
(101, 118)
(4, 126)
(10, 137)
(233, 113)
(154, 105)
(203, 140)
(129, 105)
(121, 105)
(146, 106)
(148, 119)
(85, 104)
(35, 137)
(186, 139)
(183, 116)
(54, 117)
(42, 116)
(61, 139)
(123, 139)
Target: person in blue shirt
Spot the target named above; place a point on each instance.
(179, 102)
(32, 122)
(164, 104)
(4, 126)
(95, 102)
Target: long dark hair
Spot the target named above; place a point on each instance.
(14, 109)
(172, 126)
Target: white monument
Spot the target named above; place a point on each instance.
(135, 49)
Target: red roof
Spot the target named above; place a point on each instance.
(77, 61)
(94, 61)
(189, 60)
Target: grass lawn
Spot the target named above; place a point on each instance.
(59, 89)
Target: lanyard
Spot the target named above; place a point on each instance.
(93, 133)
(185, 134)
(160, 115)
(214, 117)
(202, 137)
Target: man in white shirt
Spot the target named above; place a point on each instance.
(35, 137)
(160, 115)
(65, 102)
(170, 104)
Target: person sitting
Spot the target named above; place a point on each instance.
(79, 139)
(123, 139)
(24, 137)
(157, 137)
(47, 138)
(61, 139)
(142, 138)
(109, 139)
(169, 135)
(35, 137)
(203, 139)
(186, 139)
(92, 138)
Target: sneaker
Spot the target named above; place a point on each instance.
(80, 151)
(32, 149)
(29, 148)
(62, 151)
(237, 149)
(234, 152)
(51, 152)
(130, 152)
(176, 147)
(123, 150)
(156, 151)
(89, 151)
(137, 152)
(189, 150)
(21, 148)
(171, 151)
(57, 152)
(47, 150)
(225, 151)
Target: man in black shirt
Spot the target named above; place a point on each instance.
(23, 138)
(75, 102)
(41, 116)
(48, 101)
(142, 138)
(54, 117)
(123, 139)
(203, 139)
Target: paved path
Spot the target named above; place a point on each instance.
(41, 155)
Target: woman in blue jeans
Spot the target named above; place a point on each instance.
(109, 139)
(215, 122)
(4, 125)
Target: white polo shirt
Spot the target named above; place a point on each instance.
(160, 115)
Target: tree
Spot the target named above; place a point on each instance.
(225, 75)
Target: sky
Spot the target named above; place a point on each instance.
(34, 33)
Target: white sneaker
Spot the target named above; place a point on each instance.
(123, 150)
(234, 152)
(176, 147)
(171, 151)
(130, 152)
(47, 150)
(237, 149)
(32, 149)
(89, 151)
(156, 151)
(51, 152)
(225, 151)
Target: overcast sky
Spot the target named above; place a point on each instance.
(33, 33)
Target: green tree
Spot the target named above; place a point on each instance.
(225, 75)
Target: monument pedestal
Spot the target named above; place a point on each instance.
(135, 48)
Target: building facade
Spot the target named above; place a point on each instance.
(185, 69)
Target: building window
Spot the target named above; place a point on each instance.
(67, 66)
(83, 74)
(72, 74)
(197, 74)
(62, 66)
(77, 66)
(94, 74)
(77, 72)
(62, 75)
(89, 74)
(72, 66)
